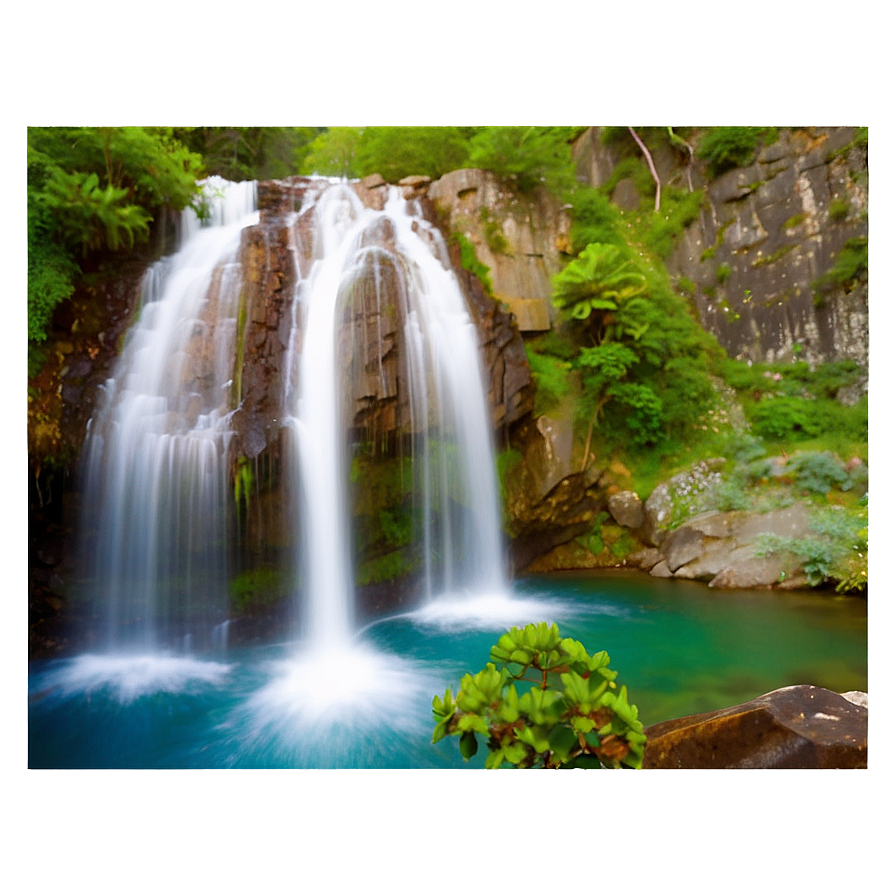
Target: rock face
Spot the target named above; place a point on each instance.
(520, 238)
(766, 234)
(796, 727)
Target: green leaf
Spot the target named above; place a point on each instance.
(468, 745)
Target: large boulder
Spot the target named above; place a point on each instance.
(795, 727)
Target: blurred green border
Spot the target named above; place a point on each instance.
(472, 62)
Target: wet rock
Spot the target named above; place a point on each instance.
(626, 508)
(795, 727)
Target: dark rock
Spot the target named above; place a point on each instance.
(795, 727)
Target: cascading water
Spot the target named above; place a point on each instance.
(156, 469)
(403, 261)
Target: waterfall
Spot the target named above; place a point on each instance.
(156, 467)
(157, 487)
(401, 260)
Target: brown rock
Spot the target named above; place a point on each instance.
(795, 727)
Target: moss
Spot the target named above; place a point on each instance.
(723, 272)
(494, 232)
(710, 251)
(777, 255)
(838, 210)
(386, 568)
(794, 221)
(258, 588)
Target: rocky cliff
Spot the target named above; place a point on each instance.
(758, 261)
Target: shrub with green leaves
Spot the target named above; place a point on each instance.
(573, 714)
(730, 147)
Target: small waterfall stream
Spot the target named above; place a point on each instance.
(156, 466)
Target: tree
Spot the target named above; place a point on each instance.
(527, 156)
(572, 716)
(90, 190)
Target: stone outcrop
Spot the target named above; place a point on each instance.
(795, 727)
(519, 238)
(549, 499)
(766, 234)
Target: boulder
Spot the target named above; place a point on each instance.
(795, 727)
(626, 508)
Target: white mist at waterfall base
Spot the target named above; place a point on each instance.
(329, 707)
(126, 678)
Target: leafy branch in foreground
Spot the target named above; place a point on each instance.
(572, 715)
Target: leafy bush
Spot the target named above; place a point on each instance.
(848, 267)
(527, 156)
(95, 189)
(601, 279)
(730, 147)
(818, 472)
(469, 261)
(572, 716)
(678, 209)
(551, 376)
(837, 552)
(594, 220)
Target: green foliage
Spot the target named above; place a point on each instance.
(678, 208)
(257, 588)
(551, 376)
(594, 220)
(850, 265)
(95, 189)
(601, 279)
(334, 153)
(794, 221)
(572, 716)
(724, 148)
(397, 152)
(838, 210)
(526, 156)
(494, 233)
(249, 153)
(385, 568)
(469, 261)
(836, 552)
(818, 472)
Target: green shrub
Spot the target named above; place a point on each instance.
(848, 267)
(527, 156)
(469, 261)
(678, 209)
(594, 220)
(818, 472)
(572, 715)
(551, 377)
(836, 552)
(730, 147)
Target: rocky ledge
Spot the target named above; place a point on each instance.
(795, 727)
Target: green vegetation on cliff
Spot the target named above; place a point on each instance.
(93, 190)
